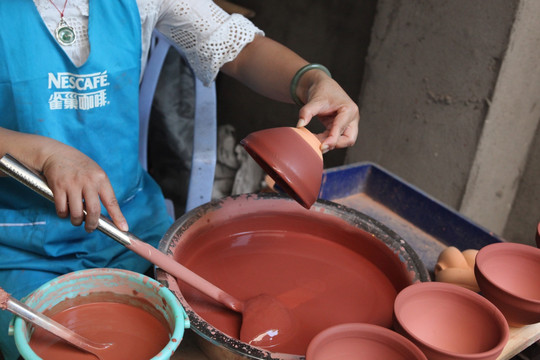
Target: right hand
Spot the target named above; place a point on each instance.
(78, 183)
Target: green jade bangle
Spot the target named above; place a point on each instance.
(298, 75)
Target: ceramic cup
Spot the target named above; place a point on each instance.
(449, 322)
(292, 158)
(507, 274)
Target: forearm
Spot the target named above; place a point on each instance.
(267, 67)
(30, 149)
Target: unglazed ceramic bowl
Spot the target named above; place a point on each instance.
(291, 157)
(449, 322)
(362, 342)
(508, 275)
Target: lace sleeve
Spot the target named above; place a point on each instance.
(208, 35)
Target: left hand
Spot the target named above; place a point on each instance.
(267, 67)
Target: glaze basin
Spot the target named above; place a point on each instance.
(216, 238)
(361, 342)
(449, 322)
(507, 274)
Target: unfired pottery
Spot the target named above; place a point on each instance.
(508, 275)
(448, 322)
(362, 342)
(457, 267)
(291, 157)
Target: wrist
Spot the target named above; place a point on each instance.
(295, 86)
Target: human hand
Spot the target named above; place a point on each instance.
(78, 183)
(333, 107)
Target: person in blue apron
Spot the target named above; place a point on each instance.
(78, 126)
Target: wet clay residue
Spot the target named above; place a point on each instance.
(4, 297)
(134, 333)
(321, 281)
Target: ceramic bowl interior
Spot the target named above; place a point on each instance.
(362, 341)
(291, 157)
(447, 321)
(507, 274)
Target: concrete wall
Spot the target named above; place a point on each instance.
(449, 104)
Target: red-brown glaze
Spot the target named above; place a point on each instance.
(447, 322)
(290, 160)
(507, 274)
(267, 322)
(133, 332)
(320, 281)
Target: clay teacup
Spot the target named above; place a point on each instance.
(449, 322)
(507, 274)
(292, 158)
(361, 341)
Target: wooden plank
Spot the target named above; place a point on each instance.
(520, 339)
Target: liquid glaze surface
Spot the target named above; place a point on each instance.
(320, 281)
(134, 333)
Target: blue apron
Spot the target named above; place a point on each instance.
(93, 108)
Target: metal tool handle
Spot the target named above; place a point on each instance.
(24, 311)
(13, 168)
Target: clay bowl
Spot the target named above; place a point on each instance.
(507, 274)
(449, 322)
(362, 342)
(218, 238)
(291, 157)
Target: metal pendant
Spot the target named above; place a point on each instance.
(64, 33)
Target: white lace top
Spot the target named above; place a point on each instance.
(208, 35)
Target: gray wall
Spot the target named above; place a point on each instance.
(446, 104)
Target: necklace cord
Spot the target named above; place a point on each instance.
(56, 7)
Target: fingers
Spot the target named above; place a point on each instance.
(80, 191)
(341, 123)
(111, 204)
(340, 136)
(75, 205)
(93, 209)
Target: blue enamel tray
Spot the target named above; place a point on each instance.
(426, 224)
